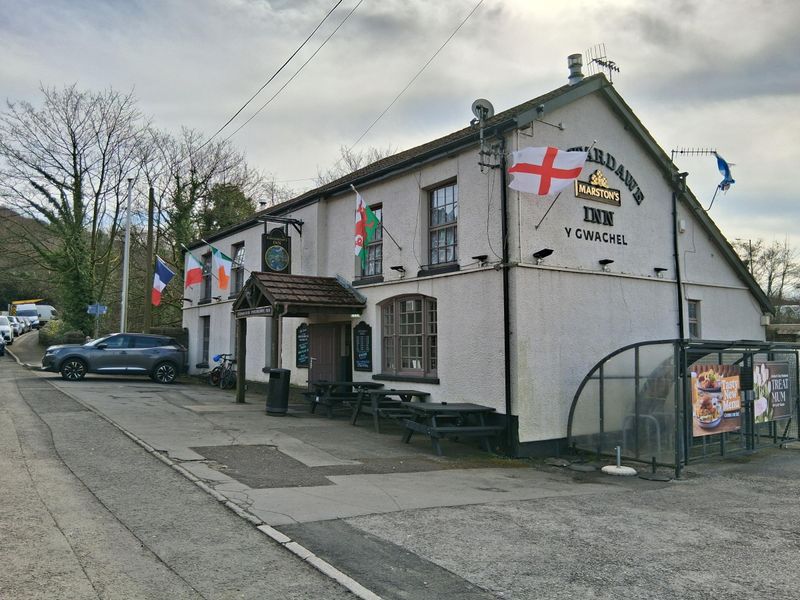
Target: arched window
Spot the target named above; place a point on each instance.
(408, 336)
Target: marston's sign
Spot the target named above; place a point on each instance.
(608, 160)
(597, 189)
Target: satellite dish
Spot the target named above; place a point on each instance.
(482, 109)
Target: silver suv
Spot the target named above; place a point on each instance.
(160, 357)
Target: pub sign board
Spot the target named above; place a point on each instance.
(301, 346)
(276, 252)
(362, 347)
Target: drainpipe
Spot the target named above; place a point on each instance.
(506, 309)
(678, 280)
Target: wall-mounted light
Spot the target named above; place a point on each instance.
(540, 255)
(659, 271)
(217, 298)
(481, 258)
(605, 262)
(400, 269)
(189, 300)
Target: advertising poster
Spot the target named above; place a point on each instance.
(716, 404)
(771, 386)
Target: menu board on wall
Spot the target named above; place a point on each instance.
(362, 347)
(301, 346)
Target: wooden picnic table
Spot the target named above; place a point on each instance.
(455, 419)
(333, 393)
(382, 403)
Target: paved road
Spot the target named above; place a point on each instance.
(408, 525)
(86, 513)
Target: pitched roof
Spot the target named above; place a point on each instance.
(298, 295)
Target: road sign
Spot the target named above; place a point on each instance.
(96, 309)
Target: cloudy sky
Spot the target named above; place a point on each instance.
(702, 73)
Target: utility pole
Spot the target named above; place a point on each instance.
(123, 316)
(148, 280)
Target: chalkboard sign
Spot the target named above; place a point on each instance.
(362, 355)
(301, 347)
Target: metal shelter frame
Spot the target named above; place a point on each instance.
(639, 398)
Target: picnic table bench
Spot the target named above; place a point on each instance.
(332, 394)
(459, 419)
(391, 404)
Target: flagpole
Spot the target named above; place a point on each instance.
(383, 228)
(123, 316)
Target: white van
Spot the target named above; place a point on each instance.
(31, 311)
(46, 313)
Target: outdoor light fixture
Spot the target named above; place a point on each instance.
(481, 258)
(217, 298)
(605, 262)
(189, 300)
(540, 255)
(659, 271)
(400, 269)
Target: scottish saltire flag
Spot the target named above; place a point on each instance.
(545, 171)
(161, 277)
(725, 170)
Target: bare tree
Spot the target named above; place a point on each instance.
(65, 164)
(350, 161)
(774, 266)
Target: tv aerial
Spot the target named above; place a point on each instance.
(483, 111)
(597, 60)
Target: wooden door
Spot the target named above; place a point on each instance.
(324, 352)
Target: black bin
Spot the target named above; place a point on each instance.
(278, 392)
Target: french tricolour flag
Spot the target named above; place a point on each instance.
(162, 276)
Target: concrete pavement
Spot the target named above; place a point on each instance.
(407, 524)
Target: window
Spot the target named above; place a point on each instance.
(694, 318)
(237, 268)
(206, 288)
(408, 336)
(443, 221)
(205, 337)
(374, 263)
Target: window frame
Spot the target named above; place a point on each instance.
(237, 267)
(205, 338)
(693, 321)
(436, 226)
(395, 343)
(205, 286)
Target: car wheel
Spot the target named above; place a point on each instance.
(73, 369)
(165, 372)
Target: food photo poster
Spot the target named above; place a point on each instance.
(716, 398)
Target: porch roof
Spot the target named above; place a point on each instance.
(268, 294)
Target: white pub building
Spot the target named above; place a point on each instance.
(475, 292)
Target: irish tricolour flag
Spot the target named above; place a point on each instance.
(193, 273)
(366, 225)
(221, 264)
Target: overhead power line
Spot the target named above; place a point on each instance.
(413, 79)
(275, 74)
(275, 95)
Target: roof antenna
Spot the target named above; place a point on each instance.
(483, 111)
(597, 60)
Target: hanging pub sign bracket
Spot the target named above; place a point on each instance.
(296, 223)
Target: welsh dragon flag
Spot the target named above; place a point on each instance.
(221, 265)
(366, 224)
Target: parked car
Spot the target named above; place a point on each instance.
(6, 330)
(2, 346)
(16, 325)
(160, 357)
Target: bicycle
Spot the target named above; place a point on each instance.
(224, 374)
